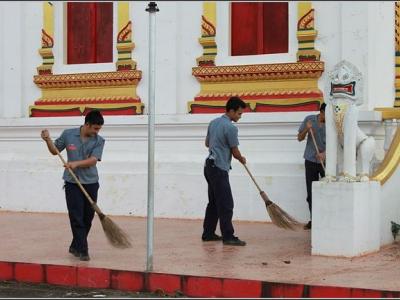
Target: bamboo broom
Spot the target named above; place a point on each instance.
(115, 235)
(278, 216)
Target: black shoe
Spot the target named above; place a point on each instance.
(213, 237)
(234, 242)
(84, 257)
(307, 226)
(73, 251)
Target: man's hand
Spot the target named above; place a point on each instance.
(321, 156)
(45, 135)
(71, 165)
(302, 135)
(242, 159)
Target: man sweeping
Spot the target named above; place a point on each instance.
(84, 149)
(222, 141)
(314, 153)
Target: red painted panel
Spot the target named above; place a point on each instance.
(49, 113)
(259, 28)
(127, 281)
(6, 271)
(283, 290)
(202, 287)
(234, 288)
(329, 292)
(61, 275)
(104, 32)
(89, 32)
(165, 282)
(29, 272)
(93, 277)
(81, 32)
(276, 29)
(283, 108)
(363, 293)
(244, 26)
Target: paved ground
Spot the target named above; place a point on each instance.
(10, 289)
(272, 254)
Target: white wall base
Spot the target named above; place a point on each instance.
(345, 218)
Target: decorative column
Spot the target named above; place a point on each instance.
(306, 33)
(46, 52)
(208, 31)
(397, 54)
(124, 39)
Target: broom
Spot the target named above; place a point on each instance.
(278, 216)
(115, 235)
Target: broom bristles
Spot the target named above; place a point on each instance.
(115, 235)
(278, 216)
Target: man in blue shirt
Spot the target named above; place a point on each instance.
(313, 166)
(84, 148)
(222, 141)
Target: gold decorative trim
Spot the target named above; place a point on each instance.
(397, 54)
(56, 110)
(88, 79)
(72, 94)
(389, 113)
(124, 39)
(46, 51)
(390, 162)
(259, 72)
(255, 104)
(208, 33)
(267, 87)
(285, 92)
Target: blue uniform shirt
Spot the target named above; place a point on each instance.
(222, 135)
(70, 139)
(320, 138)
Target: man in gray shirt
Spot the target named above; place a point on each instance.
(84, 148)
(222, 141)
(313, 166)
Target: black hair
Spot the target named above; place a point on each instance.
(94, 117)
(235, 103)
(322, 107)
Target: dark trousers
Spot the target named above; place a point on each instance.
(220, 202)
(314, 172)
(80, 213)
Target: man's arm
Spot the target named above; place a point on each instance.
(50, 145)
(302, 134)
(86, 163)
(236, 154)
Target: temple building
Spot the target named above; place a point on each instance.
(60, 60)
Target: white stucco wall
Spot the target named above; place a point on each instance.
(31, 179)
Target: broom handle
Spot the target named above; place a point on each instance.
(94, 205)
(248, 171)
(316, 148)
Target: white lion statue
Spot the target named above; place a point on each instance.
(349, 151)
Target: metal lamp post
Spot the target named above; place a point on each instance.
(152, 9)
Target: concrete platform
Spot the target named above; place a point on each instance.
(275, 262)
